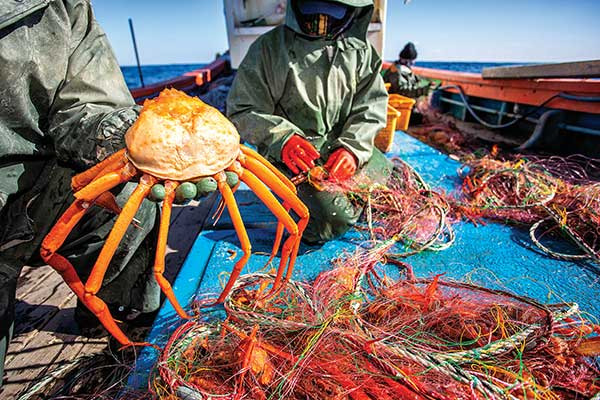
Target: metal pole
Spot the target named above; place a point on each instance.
(137, 57)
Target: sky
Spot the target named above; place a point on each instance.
(193, 31)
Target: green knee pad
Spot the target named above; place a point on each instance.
(331, 215)
(378, 168)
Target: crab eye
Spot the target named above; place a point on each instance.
(232, 178)
(185, 191)
(206, 186)
(157, 193)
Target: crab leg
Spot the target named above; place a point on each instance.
(265, 175)
(94, 282)
(106, 182)
(278, 237)
(114, 162)
(248, 152)
(161, 247)
(107, 200)
(55, 239)
(58, 234)
(263, 193)
(238, 225)
(95, 190)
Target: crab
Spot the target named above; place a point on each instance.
(177, 140)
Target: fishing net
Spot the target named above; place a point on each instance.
(554, 195)
(404, 210)
(357, 333)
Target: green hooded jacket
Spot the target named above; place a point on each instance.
(62, 93)
(329, 92)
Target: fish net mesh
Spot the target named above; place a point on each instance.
(357, 333)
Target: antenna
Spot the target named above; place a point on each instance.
(137, 57)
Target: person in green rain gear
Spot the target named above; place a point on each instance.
(311, 91)
(401, 77)
(64, 107)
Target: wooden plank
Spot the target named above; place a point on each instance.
(31, 277)
(46, 335)
(579, 69)
(38, 305)
(186, 224)
(57, 344)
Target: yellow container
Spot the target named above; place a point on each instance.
(404, 105)
(385, 137)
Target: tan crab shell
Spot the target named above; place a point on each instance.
(181, 138)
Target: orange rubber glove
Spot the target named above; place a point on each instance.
(341, 164)
(298, 154)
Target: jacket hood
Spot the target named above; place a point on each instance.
(357, 29)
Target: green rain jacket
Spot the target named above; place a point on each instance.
(62, 94)
(64, 106)
(329, 92)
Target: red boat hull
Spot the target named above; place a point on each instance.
(186, 82)
(524, 91)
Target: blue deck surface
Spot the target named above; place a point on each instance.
(494, 255)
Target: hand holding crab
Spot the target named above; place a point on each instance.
(177, 146)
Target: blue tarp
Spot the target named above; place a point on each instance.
(495, 255)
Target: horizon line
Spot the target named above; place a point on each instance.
(420, 61)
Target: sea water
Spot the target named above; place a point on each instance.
(156, 73)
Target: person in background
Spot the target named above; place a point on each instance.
(310, 92)
(401, 77)
(408, 55)
(65, 107)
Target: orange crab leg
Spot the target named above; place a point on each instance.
(106, 182)
(238, 225)
(61, 229)
(114, 161)
(107, 200)
(55, 239)
(265, 175)
(161, 248)
(247, 151)
(283, 217)
(94, 282)
(278, 237)
(59, 232)
(221, 206)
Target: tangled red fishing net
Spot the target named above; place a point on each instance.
(403, 210)
(355, 333)
(555, 195)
